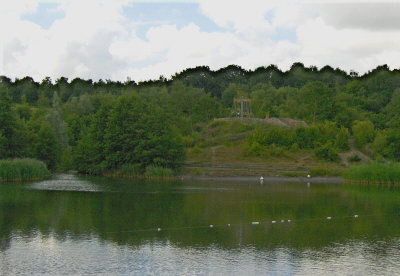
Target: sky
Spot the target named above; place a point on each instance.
(143, 39)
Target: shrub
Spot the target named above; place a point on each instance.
(342, 139)
(275, 151)
(327, 152)
(22, 170)
(354, 158)
(363, 132)
(255, 149)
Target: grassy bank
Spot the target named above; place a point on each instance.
(374, 173)
(22, 170)
(227, 148)
(134, 171)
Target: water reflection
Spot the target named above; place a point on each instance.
(45, 228)
(65, 182)
(49, 256)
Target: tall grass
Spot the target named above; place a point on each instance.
(374, 173)
(158, 172)
(136, 171)
(22, 169)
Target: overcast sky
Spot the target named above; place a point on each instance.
(113, 39)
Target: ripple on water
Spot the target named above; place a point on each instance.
(65, 182)
(51, 256)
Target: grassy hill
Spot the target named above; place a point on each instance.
(222, 148)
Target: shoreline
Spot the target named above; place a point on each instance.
(268, 179)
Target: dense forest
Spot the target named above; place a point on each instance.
(102, 126)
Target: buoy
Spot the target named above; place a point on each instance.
(356, 216)
(308, 176)
(288, 220)
(328, 217)
(158, 229)
(282, 221)
(261, 178)
(255, 222)
(229, 225)
(273, 221)
(211, 226)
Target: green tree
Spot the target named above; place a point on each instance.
(392, 110)
(316, 102)
(7, 126)
(46, 145)
(139, 132)
(89, 154)
(387, 144)
(363, 132)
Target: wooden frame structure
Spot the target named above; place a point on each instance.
(242, 108)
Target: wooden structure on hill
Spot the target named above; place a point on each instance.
(242, 108)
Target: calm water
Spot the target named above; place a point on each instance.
(97, 226)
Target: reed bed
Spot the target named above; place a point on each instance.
(374, 173)
(22, 170)
(134, 171)
(159, 172)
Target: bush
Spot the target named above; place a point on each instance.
(306, 137)
(327, 152)
(22, 170)
(275, 151)
(255, 149)
(354, 158)
(342, 139)
(363, 132)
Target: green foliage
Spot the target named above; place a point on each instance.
(374, 173)
(391, 110)
(315, 102)
(96, 127)
(129, 170)
(158, 172)
(7, 126)
(22, 170)
(387, 143)
(342, 139)
(354, 158)
(325, 138)
(363, 132)
(327, 152)
(271, 136)
(129, 131)
(66, 161)
(306, 138)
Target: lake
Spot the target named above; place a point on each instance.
(99, 226)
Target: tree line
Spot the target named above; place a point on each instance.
(104, 125)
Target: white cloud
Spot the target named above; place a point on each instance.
(370, 16)
(348, 49)
(247, 18)
(75, 46)
(95, 40)
(189, 47)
